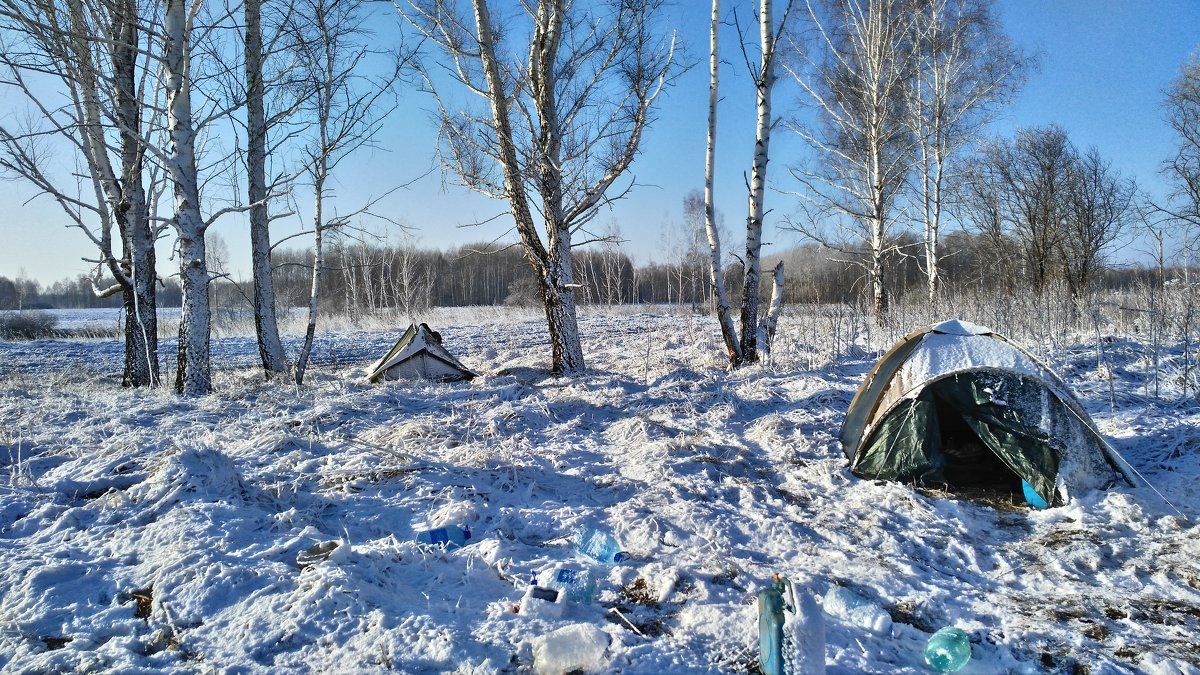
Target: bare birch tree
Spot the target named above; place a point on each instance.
(270, 347)
(856, 75)
(347, 109)
(755, 333)
(733, 345)
(194, 366)
(562, 126)
(95, 51)
(966, 67)
(1182, 107)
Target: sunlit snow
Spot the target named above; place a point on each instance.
(143, 532)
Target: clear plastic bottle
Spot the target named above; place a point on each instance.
(575, 648)
(856, 610)
(577, 586)
(598, 545)
(808, 635)
(948, 650)
(449, 537)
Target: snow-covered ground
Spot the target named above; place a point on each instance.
(141, 532)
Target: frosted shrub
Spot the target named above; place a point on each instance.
(27, 325)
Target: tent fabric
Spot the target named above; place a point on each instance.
(419, 354)
(948, 400)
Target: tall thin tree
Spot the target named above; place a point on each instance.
(856, 76)
(346, 109)
(561, 129)
(733, 345)
(764, 84)
(270, 347)
(96, 52)
(966, 68)
(755, 333)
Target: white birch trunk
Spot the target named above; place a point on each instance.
(586, 108)
(137, 271)
(766, 329)
(933, 244)
(733, 347)
(551, 264)
(134, 271)
(558, 287)
(320, 172)
(765, 81)
(194, 369)
(315, 287)
(140, 295)
(876, 272)
(270, 348)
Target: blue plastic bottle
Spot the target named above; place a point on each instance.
(577, 586)
(771, 605)
(598, 545)
(450, 537)
(948, 650)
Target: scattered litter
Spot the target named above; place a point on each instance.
(626, 621)
(539, 601)
(809, 634)
(599, 545)
(772, 603)
(572, 648)
(1032, 497)
(948, 650)
(791, 631)
(854, 609)
(316, 553)
(577, 585)
(447, 538)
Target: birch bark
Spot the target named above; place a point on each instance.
(194, 368)
(733, 346)
(561, 127)
(764, 82)
(270, 348)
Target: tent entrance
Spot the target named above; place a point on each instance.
(971, 468)
(976, 434)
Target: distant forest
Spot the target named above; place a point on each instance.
(362, 277)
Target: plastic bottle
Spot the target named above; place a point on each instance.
(598, 545)
(577, 586)
(772, 603)
(948, 650)
(795, 644)
(809, 635)
(450, 537)
(578, 647)
(856, 610)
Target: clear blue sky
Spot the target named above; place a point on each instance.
(1103, 67)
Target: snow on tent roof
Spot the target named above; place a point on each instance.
(960, 327)
(418, 354)
(1014, 404)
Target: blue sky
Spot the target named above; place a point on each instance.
(1103, 67)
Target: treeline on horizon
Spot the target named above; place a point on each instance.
(365, 277)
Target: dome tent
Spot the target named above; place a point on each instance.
(419, 355)
(958, 404)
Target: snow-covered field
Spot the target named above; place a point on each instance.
(141, 532)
